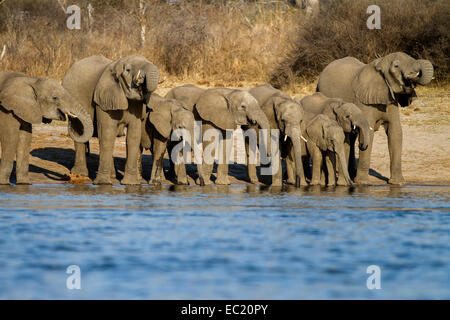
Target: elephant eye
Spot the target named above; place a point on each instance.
(55, 98)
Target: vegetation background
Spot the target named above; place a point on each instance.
(222, 42)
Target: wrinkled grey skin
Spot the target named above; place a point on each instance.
(114, 93)
(325, 139)
(378, 89)
(188, 94)
(163, 116)
(226, 109)
(263, 92)
(348, 116)
(24, 101)
(287, 115)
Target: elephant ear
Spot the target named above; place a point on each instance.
(215, 108)
(161, 119)
(370, 86)
(276, 101)
(108, 93)
(19, 97)
(316, 132)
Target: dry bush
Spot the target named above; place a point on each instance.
(419, 28)
(227, 42)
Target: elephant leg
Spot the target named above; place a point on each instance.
(348, 154)
(222, 168)
(290, 167)
(131, 176)
(316, 156)
(9, 138)
(251, 166)
(362, 174)
(180, 172)
(159, 148)
(80, 166)
(277, 177)
(330, 160)
(395, 141)
(107, 129)
(139, 164)
(207, 167)
(23, 154)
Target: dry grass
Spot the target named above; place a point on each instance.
(220, 43)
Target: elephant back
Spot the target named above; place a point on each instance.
(82, 78)
(335, 81)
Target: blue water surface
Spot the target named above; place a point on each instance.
(236, 242)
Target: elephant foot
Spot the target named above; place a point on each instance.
(277, 184)
(399, 181)
(102, 179)
(342, 182)
(155, 182)
(314, 183)
(182, 182)
(80, 170)
(130, 179)
(4, 181)
(363, 181)
(23, 181)
(202, 182)
(223, 181)
(252, 179)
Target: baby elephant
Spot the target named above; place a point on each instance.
(165, 116)
(24, 101)
(325, 139)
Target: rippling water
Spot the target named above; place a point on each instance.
(237, 242)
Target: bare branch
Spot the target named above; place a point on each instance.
(2, 1)
(4, 50)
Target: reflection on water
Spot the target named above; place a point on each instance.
(237, 242)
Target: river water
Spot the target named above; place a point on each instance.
(236, 242)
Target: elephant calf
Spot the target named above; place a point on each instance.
(347, 115)
(164, 116)
(25, 101)
(324, 140)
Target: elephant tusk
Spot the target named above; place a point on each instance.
(138, 75)
(285, 138)
(303, 138)
(354, 127)
(371, 128)
(71, 114)
(418, 74)
(184, 143)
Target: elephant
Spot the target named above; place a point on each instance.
(263, 92)
(162, 118)
(225, 109)
(324, 141)
(24, 101)
(378, 89)
(286, 115)
(347, 115)
(114, 93)
(188, 94)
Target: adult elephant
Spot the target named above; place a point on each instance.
(347, 115)
(163, 118)
(113, 92)
(286, 115)
(25, 101)
(378, 89)
(226, 109)
(188, 94)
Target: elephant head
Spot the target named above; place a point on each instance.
(129, 78)
(329, 136)
(392, 79)
(37, 100)
(289, 116)
(352, 119)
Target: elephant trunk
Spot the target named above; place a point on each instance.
(195, 148)
(151, 77)
(260, 118)
(364, 132)
(294, 133)
(343, 163)
(80, 125)
(426, 72)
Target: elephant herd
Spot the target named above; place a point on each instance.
(317, 134)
